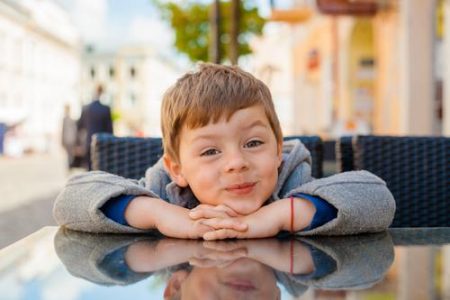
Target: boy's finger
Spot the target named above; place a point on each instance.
(202, 206)
(228, 223)
(229, 255)
(226, 210)
(201, 262)
(223, 246)
(207, 213)
(208, 263)
(221, 234)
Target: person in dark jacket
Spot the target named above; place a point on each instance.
(69, 136)
(95, 118)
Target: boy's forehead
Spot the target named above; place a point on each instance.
(241, 120)
(251, 114)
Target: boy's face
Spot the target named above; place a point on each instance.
(234, 163)
(243, 279)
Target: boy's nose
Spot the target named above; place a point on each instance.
(236, 162)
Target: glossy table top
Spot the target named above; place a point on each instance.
(58, 264)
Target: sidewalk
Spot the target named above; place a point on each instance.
(25, 179)
(28, 187)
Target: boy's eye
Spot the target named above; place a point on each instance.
(210, 152)
(254, 143)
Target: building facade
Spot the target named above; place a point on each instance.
(134, 78)
(39, 73)
(376, 72)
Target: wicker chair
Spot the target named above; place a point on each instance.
(130, 156)
(416, 170)
(125, 156)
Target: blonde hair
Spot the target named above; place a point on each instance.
(207, 95)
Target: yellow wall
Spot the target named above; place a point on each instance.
(387, 86)
(396, 95)
(312, 103)
(361, 79)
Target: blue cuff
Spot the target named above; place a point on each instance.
(115, 208)
(323, 265)
(325, 212)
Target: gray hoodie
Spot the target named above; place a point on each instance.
(362, 200)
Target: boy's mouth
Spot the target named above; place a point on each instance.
(242, 188)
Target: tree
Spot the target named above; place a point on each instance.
(234, 31)
(215, 55)
(190, 21)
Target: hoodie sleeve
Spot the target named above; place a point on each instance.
(362, 200)
(77, 206)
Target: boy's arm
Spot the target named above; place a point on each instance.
(363, 203)
(77, 206)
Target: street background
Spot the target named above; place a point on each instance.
(28, 187)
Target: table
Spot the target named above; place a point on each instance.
(54, 263)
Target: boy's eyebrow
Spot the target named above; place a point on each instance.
(206, 136)
(255, 124)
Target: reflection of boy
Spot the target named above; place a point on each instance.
(225, 173)
(252, 267)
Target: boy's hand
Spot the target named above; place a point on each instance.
(228, 216)
(176, 222)
(218, 256)
(265, 222)
(171, 220)
(206, 211)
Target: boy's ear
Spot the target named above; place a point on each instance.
(174, 170)
(280, 153)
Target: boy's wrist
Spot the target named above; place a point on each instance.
(162, 212)
(295, 216)
(281, 210)
(144, 212)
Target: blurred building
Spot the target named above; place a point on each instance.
(274, 67)
(363, 66)
(135, 78)
(39, 72)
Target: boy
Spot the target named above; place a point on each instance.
(225, 173)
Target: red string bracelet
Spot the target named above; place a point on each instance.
(291, 269)
(292, 214)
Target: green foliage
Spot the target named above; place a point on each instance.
(190, 22)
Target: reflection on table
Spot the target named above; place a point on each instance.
(399, 264)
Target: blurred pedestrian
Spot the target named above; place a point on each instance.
(3, 128)
(95, 118)
(69, 136)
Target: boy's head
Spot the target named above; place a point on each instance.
(205, 96)
(244, 278)
(222, 137)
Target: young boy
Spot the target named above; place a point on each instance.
(225, 173)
